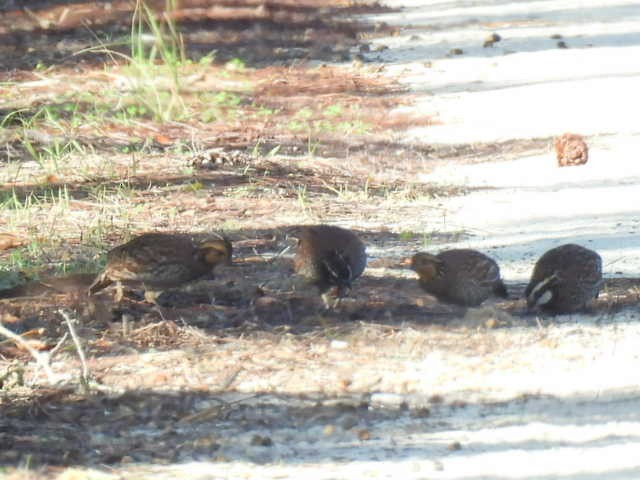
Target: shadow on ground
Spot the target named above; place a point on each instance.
(260, 33)
(260, 294)
(63, 428)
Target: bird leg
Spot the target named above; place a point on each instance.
(151, 296)
(333, 297)
(325, 300)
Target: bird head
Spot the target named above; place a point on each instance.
(427, 266)
(541, 293)
(216, 251)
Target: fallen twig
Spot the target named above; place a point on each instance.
(84, 376)
(42, 359)
(55, 349)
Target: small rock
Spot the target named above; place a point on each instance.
(364, 48)
(415, 38)
(556, 36)
(456, 51)
(571, 150)
(454, 446)
(562, 44)
(435, 398)
(364, 435)
(491, 39)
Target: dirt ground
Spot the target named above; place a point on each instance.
(248, 376)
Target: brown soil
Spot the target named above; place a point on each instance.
(218, 361)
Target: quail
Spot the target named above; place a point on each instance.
(158, 261)
(330, 258)
(565, 279)
(460, 276)
(571, 149)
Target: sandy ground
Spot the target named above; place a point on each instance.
(544, 398)
(525, 87)
(556, 401)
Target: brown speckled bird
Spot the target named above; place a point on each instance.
(461, 276)
(565, 279)
(571, 149)
(159, 261)
(330, 258)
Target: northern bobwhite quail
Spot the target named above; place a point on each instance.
(461, 276)
(330, 258)
(565, 279)
(571, 149)
(159, 261)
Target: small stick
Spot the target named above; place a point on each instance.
(279, 254)
(84, 378)
(55, 349)
(40, 358)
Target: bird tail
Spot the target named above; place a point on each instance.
(500, 289)
(536, 292)
(101, 281)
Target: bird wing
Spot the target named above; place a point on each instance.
(337, 265)
(486, 272)
(151, 257)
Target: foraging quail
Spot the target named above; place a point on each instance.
(158, 261)
(571, 149)
(330, 258)
(565, 279)
(461, 276)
